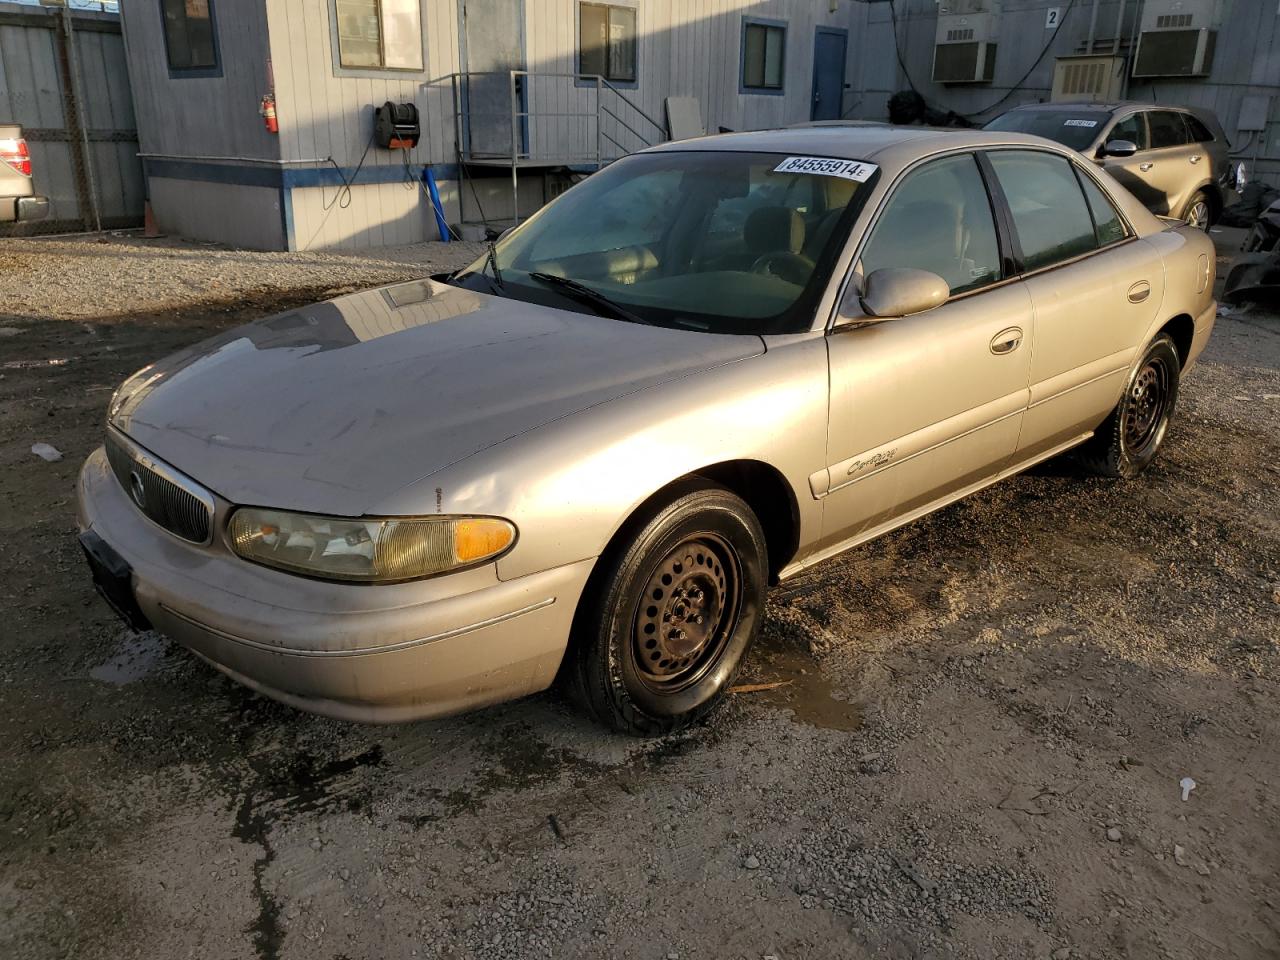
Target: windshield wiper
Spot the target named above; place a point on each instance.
(594, 298)
(493, 263)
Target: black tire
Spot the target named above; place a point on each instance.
(1130, 437)
(670, 613)
(1199, 211)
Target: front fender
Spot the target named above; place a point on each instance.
(570, 485)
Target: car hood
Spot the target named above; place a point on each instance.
(332, 407)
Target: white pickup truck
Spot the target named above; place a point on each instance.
(18, 201)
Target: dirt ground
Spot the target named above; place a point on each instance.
(977, 753)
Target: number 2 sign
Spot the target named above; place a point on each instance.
(1052, 17)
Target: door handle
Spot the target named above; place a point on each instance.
(1139, 291)
(1006, 341)
(1196, 158)
(1144, 167)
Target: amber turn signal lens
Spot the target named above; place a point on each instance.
(477, 538)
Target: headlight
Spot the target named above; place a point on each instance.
(366, 551)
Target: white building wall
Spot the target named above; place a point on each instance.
(686, 48)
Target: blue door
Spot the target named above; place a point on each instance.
(828, 73)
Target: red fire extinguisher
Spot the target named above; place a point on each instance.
(268, 112)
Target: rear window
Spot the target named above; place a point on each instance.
(1072, 128)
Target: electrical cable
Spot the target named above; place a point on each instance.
(893, 16)
(342, 198)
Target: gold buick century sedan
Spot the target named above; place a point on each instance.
(704, 369)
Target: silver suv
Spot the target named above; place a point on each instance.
(17, 197)
(1173, 159)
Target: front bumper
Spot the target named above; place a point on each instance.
(374, 654)
(23, 209)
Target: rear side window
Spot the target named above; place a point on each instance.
(1106, 219)
(1199, 132)
(1167, 129)
(1050, 215)
(939, 219)
(1133, 129)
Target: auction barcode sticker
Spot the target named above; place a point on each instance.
(826, 167)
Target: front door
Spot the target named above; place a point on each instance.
(493, 46)
(924, 407)
(828, 73)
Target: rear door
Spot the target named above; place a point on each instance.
(1094, 286)
(925, 406)
(1170, 166)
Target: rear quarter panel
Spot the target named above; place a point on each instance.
(1189, 268)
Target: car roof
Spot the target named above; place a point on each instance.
(849, 142)
(1106, 107)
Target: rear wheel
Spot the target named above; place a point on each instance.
(1199, 211)
(673, 614)
(1131, 436)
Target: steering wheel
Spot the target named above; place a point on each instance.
(791, 267)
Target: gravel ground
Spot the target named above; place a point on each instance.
(976, 753)
(123, 276)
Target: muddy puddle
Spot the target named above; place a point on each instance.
(137, 656)
(793, 681)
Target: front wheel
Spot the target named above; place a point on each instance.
(673, 614)
(1130, 437)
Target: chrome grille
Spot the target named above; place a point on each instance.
(163, 495)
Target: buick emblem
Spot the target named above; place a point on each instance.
(137, 490)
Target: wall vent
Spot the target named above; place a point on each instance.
(1088, 79)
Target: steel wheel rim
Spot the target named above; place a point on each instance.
(1145, 407)
(687, 613)
(1198, 216)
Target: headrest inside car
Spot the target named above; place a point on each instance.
(770, 229)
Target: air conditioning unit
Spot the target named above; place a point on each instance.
(964, 49)
(1087, 79)
(1177, 38)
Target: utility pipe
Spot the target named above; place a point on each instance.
(1093, 25)
(1115, 46)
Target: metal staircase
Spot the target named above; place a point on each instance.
(524, 119)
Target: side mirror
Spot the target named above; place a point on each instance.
(902, 291)
(1119, 148)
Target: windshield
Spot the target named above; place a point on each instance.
(715, 241)
(1073, 128)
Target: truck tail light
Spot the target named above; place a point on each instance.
(15, 154)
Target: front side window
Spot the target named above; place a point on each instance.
(189, 35)
(607, 41)
(708, 240)
(1167, 129)
(939, 219)
(379, 34)
(1050, 214)
(763, 54)
(1133, 129)
(1073, 128)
